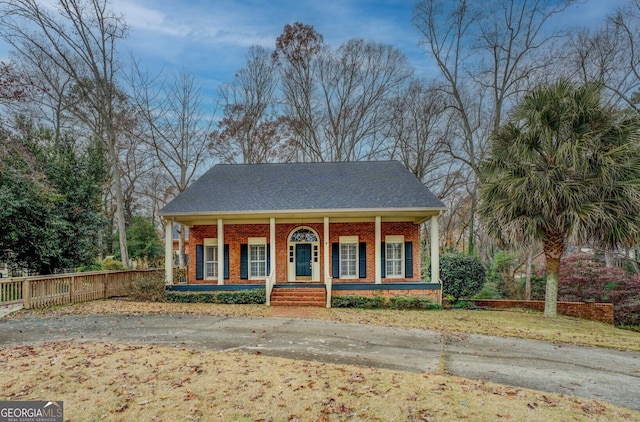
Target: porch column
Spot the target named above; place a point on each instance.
(272, 246)
(220, 251)
(168, 251)
(435, 250)
(327, 251)
(378, 249)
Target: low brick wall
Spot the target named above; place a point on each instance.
(429, 291)
(602, 312)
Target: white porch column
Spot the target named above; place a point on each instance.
(168, 251)
(435, 250)
(220, 251)
(272, 246)
(327, 250)
(378, 249)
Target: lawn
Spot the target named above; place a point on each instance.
(105, 381)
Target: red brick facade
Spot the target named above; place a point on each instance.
(237, 234)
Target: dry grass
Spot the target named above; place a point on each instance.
(100, 381)
(522, 324)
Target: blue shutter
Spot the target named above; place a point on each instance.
(268, 260)
(383, 252)
(199, 262)
(408, 259)
(362, 271)
(226, 262)
(335, 260)
(244, 262)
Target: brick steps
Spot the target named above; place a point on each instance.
(300, 296)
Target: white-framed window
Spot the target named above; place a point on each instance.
(210, 258)
(394, 256)
(257, 257)
(348, 256)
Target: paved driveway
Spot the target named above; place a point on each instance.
(601, 374)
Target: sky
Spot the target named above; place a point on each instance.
(210, 38)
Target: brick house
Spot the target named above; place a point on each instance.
(339, 228)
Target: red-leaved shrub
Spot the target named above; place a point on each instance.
(585, 280)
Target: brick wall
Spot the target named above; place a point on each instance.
(602, 312)
(236, 234)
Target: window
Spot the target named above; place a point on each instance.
(210, 262)
(348, 256)
(394, 246)
(257, 257)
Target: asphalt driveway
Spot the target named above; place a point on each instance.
(600, 374)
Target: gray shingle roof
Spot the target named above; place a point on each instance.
(303, 186)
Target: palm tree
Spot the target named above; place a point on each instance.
(563, 165)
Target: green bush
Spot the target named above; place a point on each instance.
(184, 297)
(378, 302)
(461, 275)
(149, 288)
(112, 264)
(361, 302)
(490, 290)
(242, 297)
(463, 304)
(412, 303)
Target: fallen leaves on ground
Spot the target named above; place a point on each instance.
(103, 381)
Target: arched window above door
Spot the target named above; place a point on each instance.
(303, 235)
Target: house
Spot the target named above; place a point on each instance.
(346, 228)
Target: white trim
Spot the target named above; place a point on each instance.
(348, 239)
(168, 252)
(291, 264)
(396, 238)
(327, 252)
(210, 241)
(257, 241)
(272, 245)
(378, 249)
(435, 250)
(220, 251)
(313, 212)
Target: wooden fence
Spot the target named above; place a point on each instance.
(65, 289)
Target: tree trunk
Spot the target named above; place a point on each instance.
(527, 283)
(553, 247)
(119, 197)
(608, 258)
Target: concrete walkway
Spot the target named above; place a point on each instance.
(600, 374)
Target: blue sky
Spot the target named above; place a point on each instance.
(210, 38)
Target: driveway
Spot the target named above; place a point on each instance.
(600, 374)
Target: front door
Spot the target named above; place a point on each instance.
(303, 261)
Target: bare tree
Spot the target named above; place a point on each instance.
(609, 55)
(338, 101)
(419, 127)
(251, 130)
(487, 54)
(177, 129)
(79, 38)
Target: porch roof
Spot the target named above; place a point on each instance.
(344, 188)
